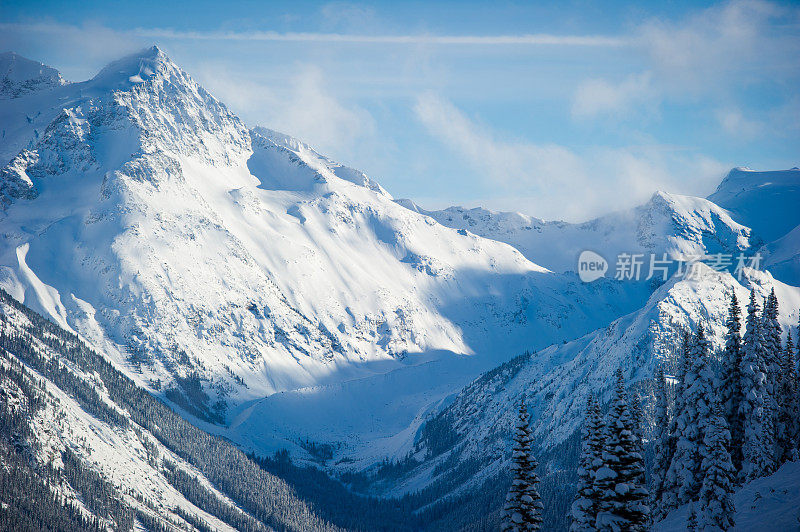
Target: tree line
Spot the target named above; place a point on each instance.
(263, 496)
(726, 418)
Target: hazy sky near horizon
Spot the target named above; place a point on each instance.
(561, 110)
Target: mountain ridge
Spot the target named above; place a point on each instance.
(155, 223)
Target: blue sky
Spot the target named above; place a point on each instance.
(561, 110)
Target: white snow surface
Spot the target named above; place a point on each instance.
(767, 504)
(782, 257)
(556, 381)
(19, 76)
(764, 201)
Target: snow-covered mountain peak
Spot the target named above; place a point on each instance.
(19, 76)
(742, 180)
(138, 67)
(170, 109)
(765, 201)
(141, 104)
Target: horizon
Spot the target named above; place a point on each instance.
(424, 106)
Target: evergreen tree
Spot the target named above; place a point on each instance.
(771, 334)
(523, 508)
(716, 503)
(703, 392)
(756, 459)
(622, 498)
(788, 429)
(662, 443)
(637, 418)
(584, 507)
(670, 499)
(797, 386)
(537, 507)
(697, 391)
(731, 385)
(796, 371)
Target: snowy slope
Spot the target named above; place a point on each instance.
(136, 461)
(667, 223)
(141, 213)
(557, 380)
(764, 201)
(782, 257)
(766, 504)
(20, 76)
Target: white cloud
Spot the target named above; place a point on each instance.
(347, 16)
(303, 107)
(597, 96)
(509, 163)
(91, 45)
(313, 113)
(553, 181)
(735, 124)
(739, 38)
(712, 53)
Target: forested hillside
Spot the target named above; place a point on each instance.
(99, 451)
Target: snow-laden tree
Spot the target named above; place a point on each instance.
(718, 474)
(584, 507)
(523, 508)
(771, 334)
(636, 416)
(797, 385)
(697, 392)
(703, 391)
(537, 507)
(788, 428)
(772, 337)
(622, 497)
(669, 499)
(731, 386)
(662, 444)
(756, 444)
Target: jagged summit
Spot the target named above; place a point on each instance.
(138, 67)
(20, 75)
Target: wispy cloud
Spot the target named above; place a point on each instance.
(735, 124)
(711, 52)
(597, 96)
(554, 181)
(703, 78)
(303, 107)
(352, 38)
(729, 41)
